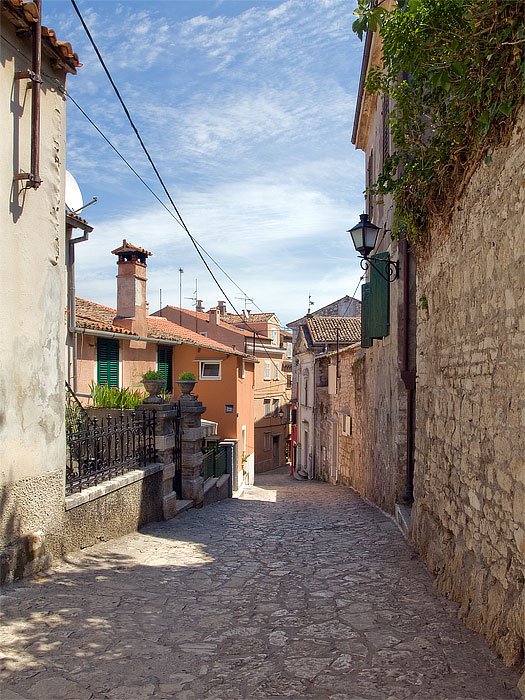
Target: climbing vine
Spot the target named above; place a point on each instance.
(454, 73)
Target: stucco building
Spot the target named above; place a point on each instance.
(33, 290)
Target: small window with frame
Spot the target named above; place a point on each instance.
(209, 370)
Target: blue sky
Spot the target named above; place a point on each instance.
(247, 109)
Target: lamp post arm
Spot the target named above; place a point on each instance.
(391, 265)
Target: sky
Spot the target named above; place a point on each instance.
(247, 109)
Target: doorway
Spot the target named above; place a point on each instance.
(276, 446)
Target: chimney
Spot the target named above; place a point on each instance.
(131, 288)
(215, 316)
(222, 307)
(200, 306)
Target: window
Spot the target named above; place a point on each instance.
(346, 424)
(266, 408)
(242, 369)
(107, 361)
(288, 350)
(275, 370)
(209, 369)
(267, 369)
(204, 333)
(306, 391)
(275, 407)
(369, 183)
(386, 134)
(165, 365)
(266, 441)
(274, 337)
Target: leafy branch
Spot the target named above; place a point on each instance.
(454, 72)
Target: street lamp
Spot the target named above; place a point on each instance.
(364, 238)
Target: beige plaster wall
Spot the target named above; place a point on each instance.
(469, 510)
(32, 302)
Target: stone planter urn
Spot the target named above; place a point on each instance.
(153, 387)
(186, 385)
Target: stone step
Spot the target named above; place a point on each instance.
(181, 506)
(402, 515)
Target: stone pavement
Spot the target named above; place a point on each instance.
(297, 590)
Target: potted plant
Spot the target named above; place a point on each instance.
(186, 382)
(153, 381)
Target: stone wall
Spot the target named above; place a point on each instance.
(469, 510)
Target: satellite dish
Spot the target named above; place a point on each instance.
(74, 200)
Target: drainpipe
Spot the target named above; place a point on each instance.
(34, 75)
(408, 374)
(71, 223)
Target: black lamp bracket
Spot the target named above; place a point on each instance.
(391, 266)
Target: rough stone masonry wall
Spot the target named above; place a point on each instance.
(469, 510)
(351, 470)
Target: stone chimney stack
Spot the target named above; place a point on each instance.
(131, 288)
(215, 316)
(200, 306)
(222, 307)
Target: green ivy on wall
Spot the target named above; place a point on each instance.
(455, 73)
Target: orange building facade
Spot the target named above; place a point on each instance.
(116, 349)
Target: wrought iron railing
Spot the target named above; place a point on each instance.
(100, 449)
(214, 462)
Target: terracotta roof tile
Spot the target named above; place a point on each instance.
(100, 317)
(23, 13)
(129, 247)
(256, 318)
(323, 329)
(205, 316)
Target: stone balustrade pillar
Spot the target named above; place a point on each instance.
(192, 481)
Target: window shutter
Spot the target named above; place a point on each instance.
(107, 361)
(165, 365)
(378, 326)
(366, 340)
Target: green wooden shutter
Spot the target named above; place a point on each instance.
(366, 341)
(165, 365)
(107, 361)
(379, 297)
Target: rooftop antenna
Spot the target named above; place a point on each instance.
(310, 302)
(181, 271)
(246, 299)
(160, 301)
(195, 298)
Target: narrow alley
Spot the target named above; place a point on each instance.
(297, 590)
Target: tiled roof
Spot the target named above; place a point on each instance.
(205, 316)
(99, 317)
(23, 13)
(256, 318)
(323, 329)
(130, 248)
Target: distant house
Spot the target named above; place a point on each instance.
(261, 337)
(345, 306)
(116, 346)
(317, 335)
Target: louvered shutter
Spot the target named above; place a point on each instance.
(165, 365)
(366, 341)
(379, 297)
(107, 361)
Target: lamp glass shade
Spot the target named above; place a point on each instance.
(364, 235)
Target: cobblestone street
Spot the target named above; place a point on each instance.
(297, 590)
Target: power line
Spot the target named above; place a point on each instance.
(150, 159)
